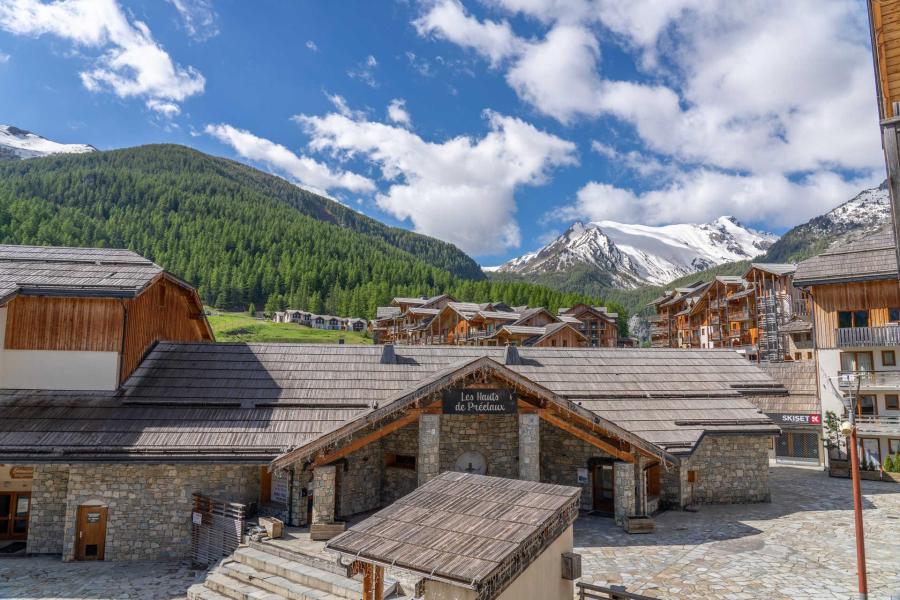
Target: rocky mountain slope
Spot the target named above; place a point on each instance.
(16, 144)
(628, 256)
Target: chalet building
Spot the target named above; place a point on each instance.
(444, 321)
(799, 414)
(315, 321)
(76, 319)
(635, 440)
(855, 300)
(761, 314)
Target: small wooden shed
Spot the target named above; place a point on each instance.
(472, 537)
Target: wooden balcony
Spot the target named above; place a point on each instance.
(862, 337)
(885, 380)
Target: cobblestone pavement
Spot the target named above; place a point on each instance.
(48, 578)
(799, 546)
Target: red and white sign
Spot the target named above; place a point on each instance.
(796, 419)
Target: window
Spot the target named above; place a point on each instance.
(857, 361)
(865, 405)
(870, 452)
(891, 402)
(400, 461)
(888, 358)
(893, 446)
(853, 318)
(893, 315)
(798, 355)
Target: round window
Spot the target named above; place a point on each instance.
(471, 462)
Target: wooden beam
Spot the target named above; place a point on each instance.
(586, 436)
(358, 443)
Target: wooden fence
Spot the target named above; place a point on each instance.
(216, 529)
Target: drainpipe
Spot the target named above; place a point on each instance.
(122, 345)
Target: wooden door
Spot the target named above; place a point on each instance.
(15, 508)
(90, 540)
(604, 488)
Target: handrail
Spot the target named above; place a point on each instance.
(592, 592)
(859, 337)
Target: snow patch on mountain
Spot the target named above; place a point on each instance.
(18, 143)
(632, 255)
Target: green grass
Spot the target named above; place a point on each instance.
(240, 327)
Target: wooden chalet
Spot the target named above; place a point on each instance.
(855, 300)
(599, 326)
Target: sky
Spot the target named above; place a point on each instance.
(491, 124)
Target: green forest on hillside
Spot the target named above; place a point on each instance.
(241, 236)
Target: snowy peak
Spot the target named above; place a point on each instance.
(16, 144)
(636, 254)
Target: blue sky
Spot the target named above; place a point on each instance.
(492, 124)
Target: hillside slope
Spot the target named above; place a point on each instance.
(240, 235)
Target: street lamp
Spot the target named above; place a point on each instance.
(848, 429)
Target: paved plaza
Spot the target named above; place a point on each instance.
(798, 546)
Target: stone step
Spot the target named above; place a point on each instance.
(332, 566)
(199, 591)
(236, 589)
(266, 586)
(298, 572)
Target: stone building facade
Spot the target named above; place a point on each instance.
(149, 506)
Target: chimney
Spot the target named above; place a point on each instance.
(511, 356)
(387, 355)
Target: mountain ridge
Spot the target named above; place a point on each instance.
(20, 144)
(633, 255)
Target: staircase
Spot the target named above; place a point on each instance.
(261, 571)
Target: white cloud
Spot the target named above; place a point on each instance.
(728, 93)
(132, 64)
(702, 195)
(311, 45)
(302, 169)
(199, 18)
(397, 112)
(364, 72)
(166, 109)
(439, 186)
(340, 104)
(447, 19)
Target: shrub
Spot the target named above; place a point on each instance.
(889, 463)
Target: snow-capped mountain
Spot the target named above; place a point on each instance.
(868, 211)
(633, 255)
(17, 144)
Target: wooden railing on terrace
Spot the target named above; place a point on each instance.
(879, 424)
(861, 337)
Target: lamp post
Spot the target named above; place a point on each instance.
(850, 428)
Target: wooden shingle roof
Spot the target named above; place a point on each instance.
(871, 258)
(477, 531)
(74, 271)
(648, 391)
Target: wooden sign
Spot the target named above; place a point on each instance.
(479, 402)
(21, 472)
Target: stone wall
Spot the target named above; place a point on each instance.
(529, 446)
(324, 490)
(398, 481)
(48, 509)
(623, 492)
(673, 486)
(494, 436)
(150, 505)
(359, 481)
(428, 458)
(561, 457)
(730, 469)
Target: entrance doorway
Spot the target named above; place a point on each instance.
(797, 446)
(604, 481)
(90, 537)
(15, 507)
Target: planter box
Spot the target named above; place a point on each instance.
(894, 477)
(325, 531)
(274, 527)
(639, 525)
(839, 468)
(870, 475)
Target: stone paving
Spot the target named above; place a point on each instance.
(48, 578)
(799, 546)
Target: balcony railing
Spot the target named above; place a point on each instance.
(878, 424)
(861, 337)
(739, 315)
(847, 380)
(657, 318)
